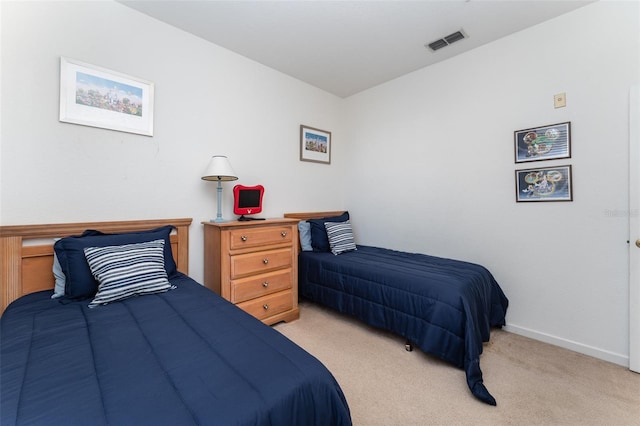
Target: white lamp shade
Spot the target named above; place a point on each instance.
(219, 169)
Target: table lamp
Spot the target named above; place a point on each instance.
(219, 170)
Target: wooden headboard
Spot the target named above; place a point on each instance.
(26, 261)
(313, 215)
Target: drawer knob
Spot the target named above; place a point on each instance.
(265, 260)
(265, 284)
(243, 238)
(265, 307)
(283, 233)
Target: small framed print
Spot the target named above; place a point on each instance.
(544, 184)
(543, 143)
(98, 97)
(315, 145)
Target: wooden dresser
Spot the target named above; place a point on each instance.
(254, 264)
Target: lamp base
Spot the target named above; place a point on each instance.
(219, 218)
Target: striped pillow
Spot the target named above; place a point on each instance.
(127, 270)
(340, 237)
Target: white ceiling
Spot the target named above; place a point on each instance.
(345, 47)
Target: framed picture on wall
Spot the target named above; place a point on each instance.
(544, 184)
(98, 97)
(315, 145)
(543, 143)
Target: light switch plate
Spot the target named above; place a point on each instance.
(560, 100)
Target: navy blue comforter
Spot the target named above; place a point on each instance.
(444, 306)
(178, 358)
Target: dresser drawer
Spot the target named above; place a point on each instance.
(260, 285)
(258, 237)
(259, 262)
(270, 305)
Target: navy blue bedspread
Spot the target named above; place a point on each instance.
(446, 307)
(178, 358)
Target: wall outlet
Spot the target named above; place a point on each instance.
(560, 100)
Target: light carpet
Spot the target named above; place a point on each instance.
(534, 383)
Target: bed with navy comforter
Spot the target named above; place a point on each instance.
(182, 357)
(446, 307)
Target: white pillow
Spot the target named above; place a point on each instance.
(127, 270)
(340, 237)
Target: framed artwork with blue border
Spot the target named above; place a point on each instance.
(98, 97)
(543, 143)
(544, 184)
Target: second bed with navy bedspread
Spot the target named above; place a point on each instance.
(446, 307)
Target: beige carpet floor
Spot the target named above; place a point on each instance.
(534, 383)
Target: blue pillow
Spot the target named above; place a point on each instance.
(58, 290)
(304, 229)
(80, 282)
(319, 240)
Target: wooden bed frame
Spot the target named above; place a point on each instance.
(26, 261)
(313, 215)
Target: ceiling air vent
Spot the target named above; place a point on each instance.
(445, 41)
(452, 38)
(438, 44)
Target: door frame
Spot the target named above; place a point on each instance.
(634, 229)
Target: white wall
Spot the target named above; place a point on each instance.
(432, 171)
(428, 157)
(208, 101)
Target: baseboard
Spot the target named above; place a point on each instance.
(615, 358)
